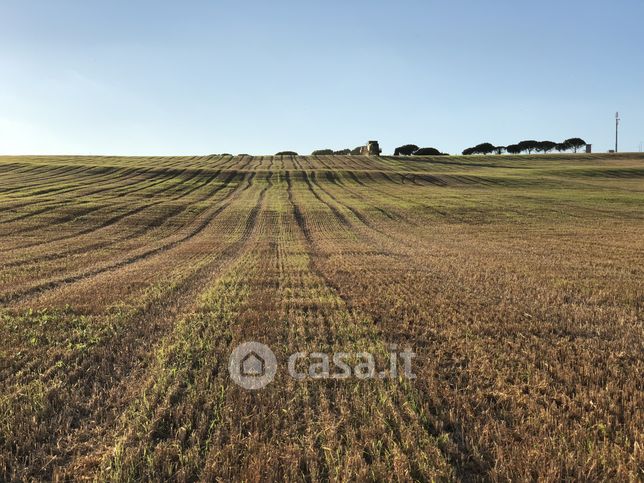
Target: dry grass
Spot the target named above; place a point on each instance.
(125, 284)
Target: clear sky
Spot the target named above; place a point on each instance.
(200, 77)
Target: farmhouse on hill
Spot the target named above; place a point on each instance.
(371, 149)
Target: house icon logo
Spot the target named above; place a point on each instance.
(252, 365)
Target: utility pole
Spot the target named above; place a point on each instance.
(616, 130)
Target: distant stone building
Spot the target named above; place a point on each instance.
(371, 149)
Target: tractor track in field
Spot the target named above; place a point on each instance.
(348, 225)
(328, 392)
(248, 226)
(442, 214)
(117, 218)
(313, 252)
(344, 220)
(338, 214)
(32, 174)
(355, 178)
(112, 434)
(13, 167)
(303, 227)
(129, 180)
(84, 212)
(28, 179)
(104, 173)
(52, 284)
(316, 254)
(120, 178)
(337, 181)
(389, 178)
(363, 219)
(124, 173)
(338, 289)
(142, 175)
(113, 220)
(108, 393)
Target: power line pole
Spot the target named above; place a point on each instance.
(616, 130)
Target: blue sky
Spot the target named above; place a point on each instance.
(199, 77)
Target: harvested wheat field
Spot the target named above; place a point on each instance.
(126, 284)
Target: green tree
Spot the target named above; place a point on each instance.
(529, 145)
(575, 143)
(427, 152)
(484, 148)
(546, 146)
(406, 150)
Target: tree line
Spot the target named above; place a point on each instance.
(413, 150)
(341, 152)
(528, 146)
(324, 152)
(406, 150)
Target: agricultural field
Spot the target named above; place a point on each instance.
(127, 282)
